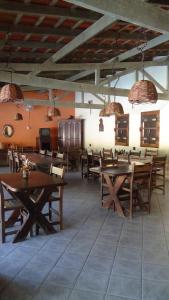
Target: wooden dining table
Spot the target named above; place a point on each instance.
(40, 161)
(114, 178)
(23, 189)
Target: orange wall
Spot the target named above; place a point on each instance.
(24, 137)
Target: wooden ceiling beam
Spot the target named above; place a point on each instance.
(49, 83)
(147, 16)
(128, 54)
(44, 10)
(94, 29)
(28, 67)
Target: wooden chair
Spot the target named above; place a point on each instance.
(9, 205)
(60, 155)
(123, 158)
(84, 163)
(139, 182)
(57, 198)
(158, 175)
(107, 154)
(49, 153)
(133, 155)
(42, 151)
(151, 152)
(17, 162)
(10, 160)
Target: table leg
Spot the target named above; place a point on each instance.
(34, 214)
(113, 190)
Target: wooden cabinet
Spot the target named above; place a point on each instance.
(122, 130)
(149, 130)
(70, 134)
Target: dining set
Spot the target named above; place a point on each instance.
(35, 201)
(128, 180)
(23, 199)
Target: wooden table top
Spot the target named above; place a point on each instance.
(15, 182)
(40, 159)
(114, 171)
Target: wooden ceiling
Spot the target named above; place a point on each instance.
(52, 43)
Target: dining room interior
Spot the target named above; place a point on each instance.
(84, 150)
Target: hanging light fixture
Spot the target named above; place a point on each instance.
(48, 118)
(28, 109)
(52, 110)
(10, 92)
(112, 108)
(103, 113)
(18, 117)
(143, 91)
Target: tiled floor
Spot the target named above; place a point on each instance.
(97, 256)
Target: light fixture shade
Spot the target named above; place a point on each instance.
(11, 93)
(143, 91)
(113, 108)
(48, 118)
(54, 112)
(103, 113)
(18, 117)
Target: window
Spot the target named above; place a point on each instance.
(149, 130)
(122, 130)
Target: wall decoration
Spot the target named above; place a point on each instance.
(101, 125)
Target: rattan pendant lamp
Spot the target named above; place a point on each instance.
(143, 91)
(10, 92)
(114, 108)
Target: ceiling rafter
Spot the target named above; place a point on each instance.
(150, 44)
(44, 10)
(149, 16)
(95, 28)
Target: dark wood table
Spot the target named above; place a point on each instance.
(114, 178)
(22, 189)
(42, 161)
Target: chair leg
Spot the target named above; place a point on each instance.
(2, 218)
(61, 214)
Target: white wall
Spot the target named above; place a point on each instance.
(98, 140)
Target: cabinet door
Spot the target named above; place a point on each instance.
(149, 130)
(122, 130)
(70, 134)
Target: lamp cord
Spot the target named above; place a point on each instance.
(141, 49)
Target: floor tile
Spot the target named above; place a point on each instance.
(155, 290)
(82, 295)
(127, 268)
(125, 287)
(92, 281)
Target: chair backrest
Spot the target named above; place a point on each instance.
(107, 153)
(57, 171)
(151, 152)
(141, 174)
(135, 153)
(60, 155)
(124, 157)
(159, 161)
(49, 153)
(42, 151)
(119, 152)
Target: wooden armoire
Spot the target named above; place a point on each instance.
(70, 135)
